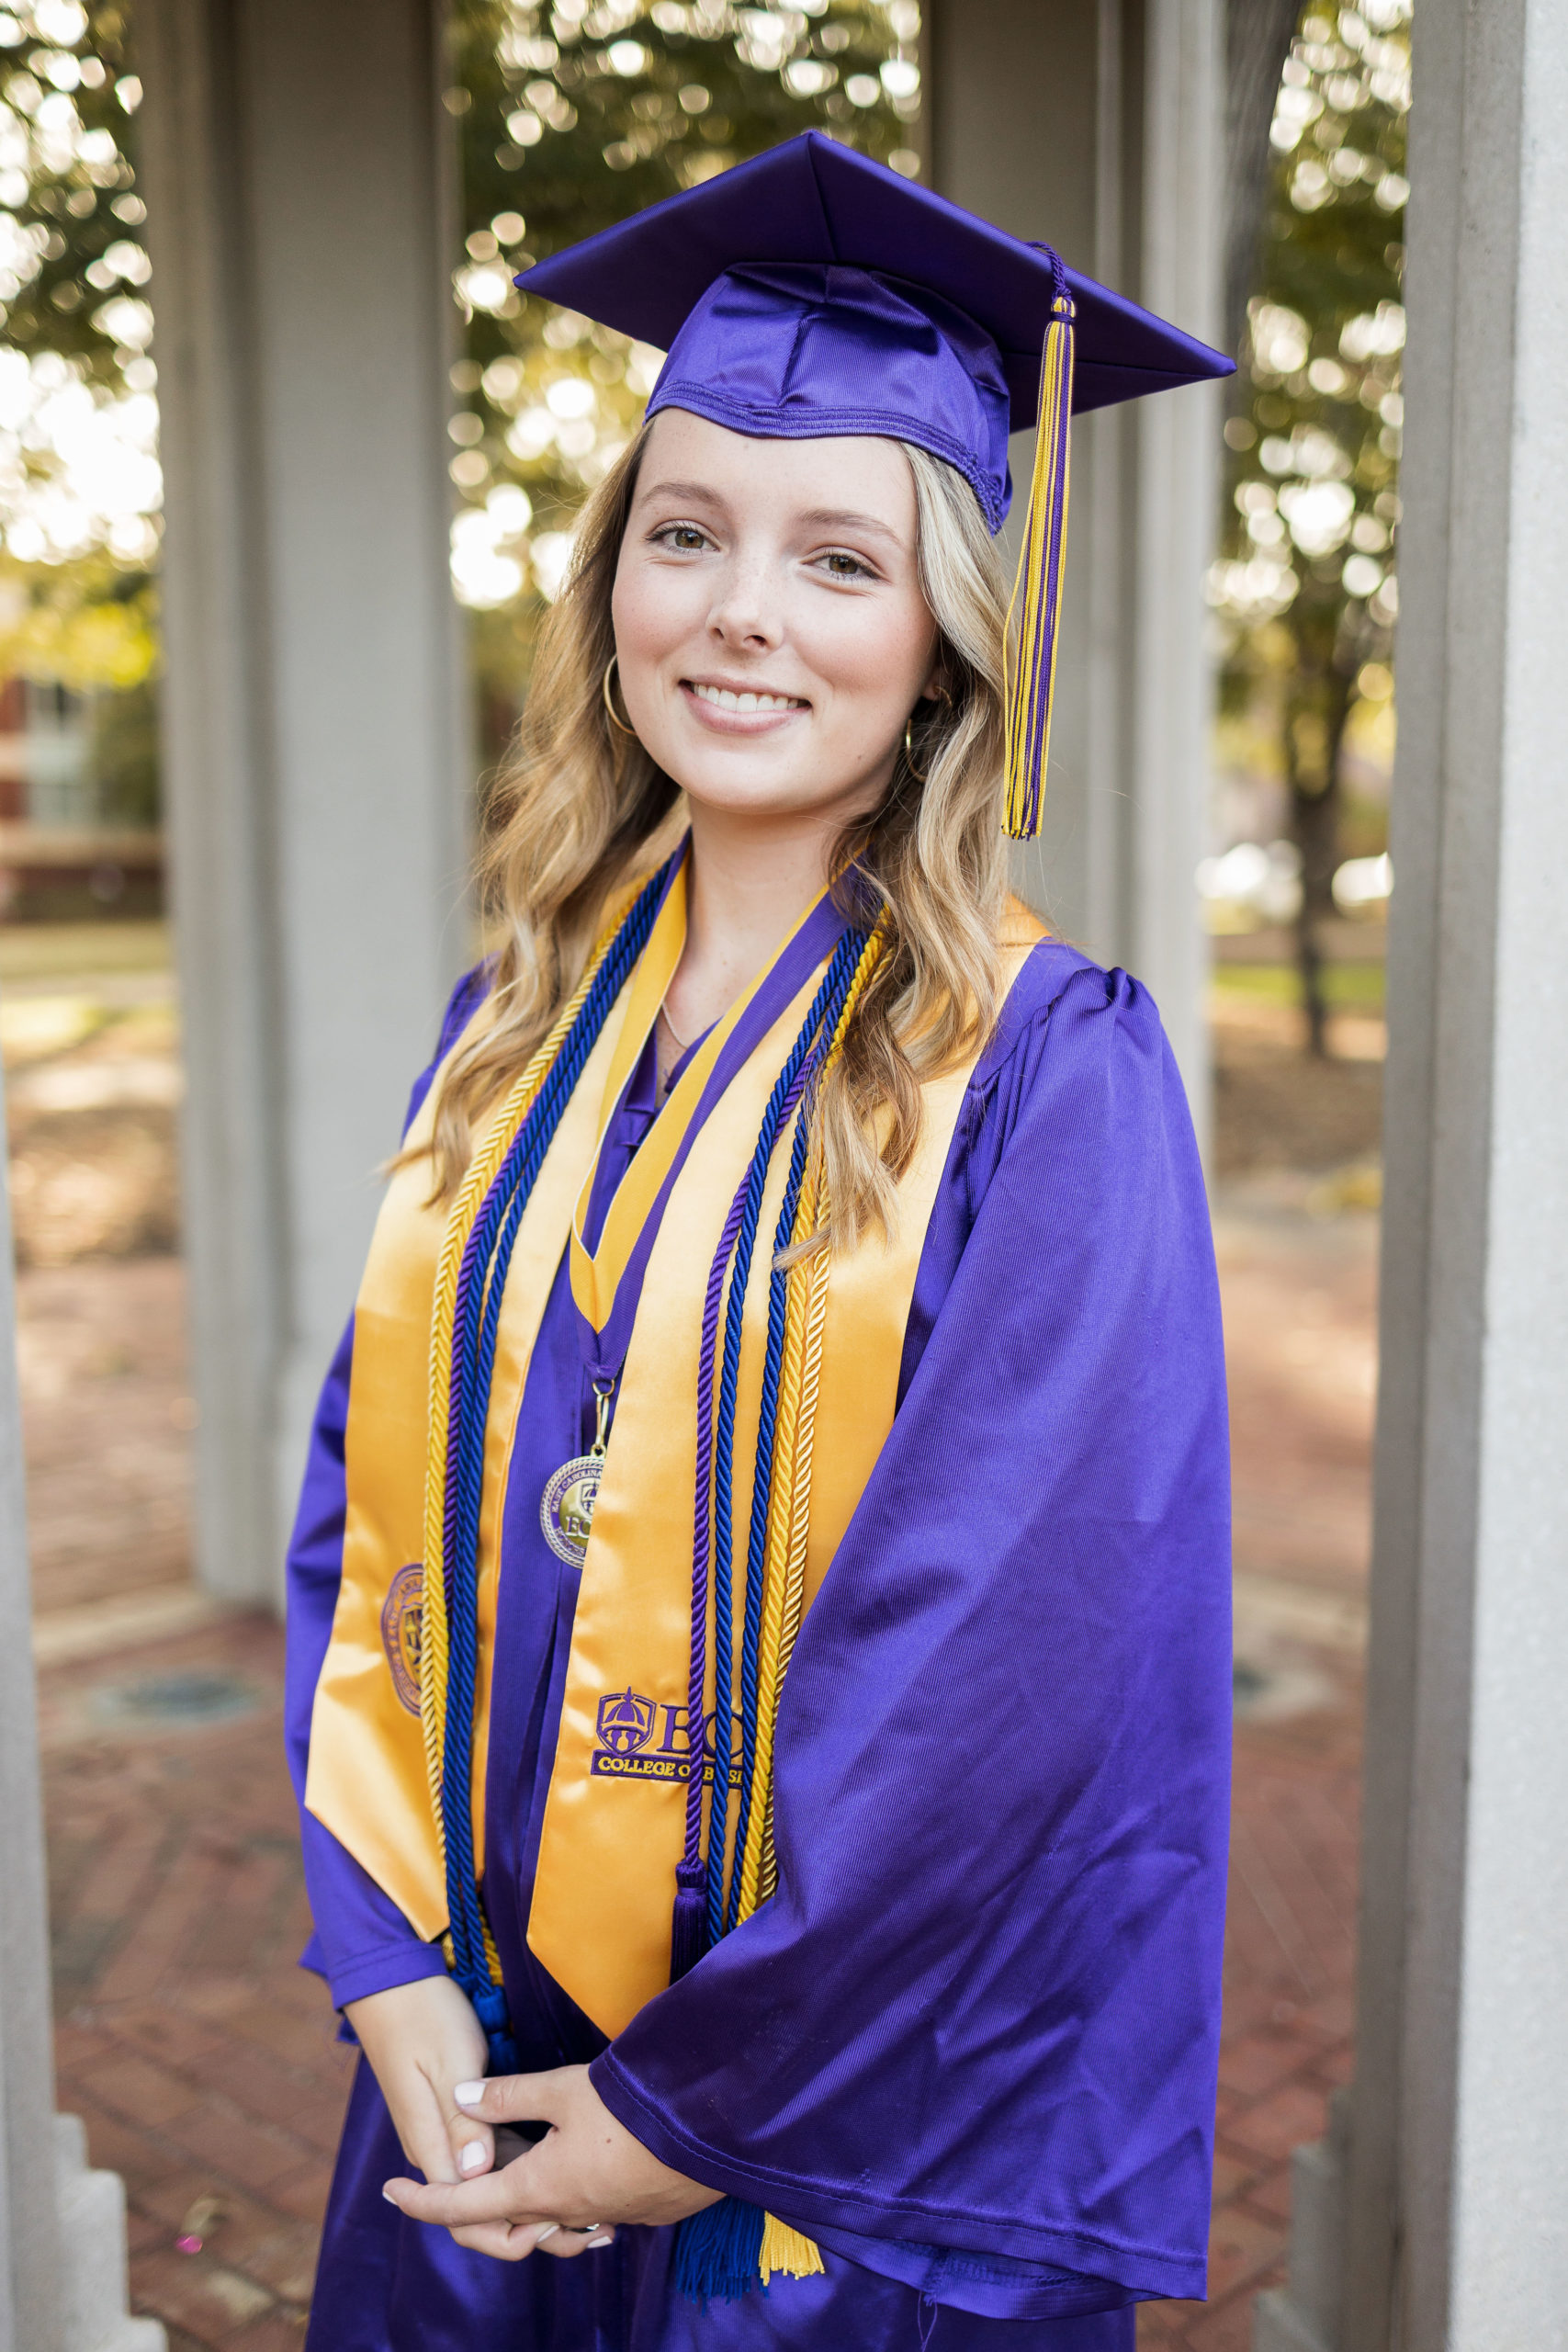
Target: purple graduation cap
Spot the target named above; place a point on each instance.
(812, 291)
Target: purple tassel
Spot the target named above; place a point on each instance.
(490, 2007)
(688, 1927)
(718, 2253)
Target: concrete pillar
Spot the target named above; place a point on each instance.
(61, 2227)
(1100, 128)
(1454, 2178)
(300, 231)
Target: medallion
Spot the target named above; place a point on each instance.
(565, 1507)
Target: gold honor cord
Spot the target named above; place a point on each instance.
(481, 1172)
(789, 1500)
(784, 2249)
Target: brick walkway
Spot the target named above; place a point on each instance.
(1299, 1302)
(203, 2061)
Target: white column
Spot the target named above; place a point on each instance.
(1099, 129)
(1455, 2179)
(61, 2227)
(296, 169)
(1164, 787)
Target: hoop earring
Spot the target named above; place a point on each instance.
(919, 773)
(610, 699)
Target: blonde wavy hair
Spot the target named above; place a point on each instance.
(579, 810)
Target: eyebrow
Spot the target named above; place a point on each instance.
(697, 493)
(846, 519)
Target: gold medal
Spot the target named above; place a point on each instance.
(565, 1507)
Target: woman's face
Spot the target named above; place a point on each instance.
(771, 631)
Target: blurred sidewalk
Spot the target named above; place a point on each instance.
(1300, 1298)
(201, 2059)
(204, 2061)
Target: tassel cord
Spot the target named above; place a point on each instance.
(762, 1493)
(441, 1473)
(815, 1315)
(760, 1695)
(753, 1843)
(728, 2249)
(475, 1184)
(490, 1247)
(480, 1172)
(792, 1078)
(470, 1278)
(723, 1476)
(702, 1530)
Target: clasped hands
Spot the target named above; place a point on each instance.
(495, 2191)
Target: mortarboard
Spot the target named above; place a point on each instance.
(812, 291)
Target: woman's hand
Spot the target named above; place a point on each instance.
(420, 2040)
(562, 2193)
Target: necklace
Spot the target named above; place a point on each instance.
(685, 1043)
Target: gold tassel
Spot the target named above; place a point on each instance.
(786, 2250)
(1029, 652)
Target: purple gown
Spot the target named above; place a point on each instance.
(970, 2045)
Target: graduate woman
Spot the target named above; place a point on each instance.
(760, 1665)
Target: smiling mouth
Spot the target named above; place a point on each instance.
(728, 698)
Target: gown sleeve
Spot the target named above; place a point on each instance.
(361, 1943)
(981, 2012)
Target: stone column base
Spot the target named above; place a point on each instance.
(1277, 2326)
(92, 2254)
(1304, 2315)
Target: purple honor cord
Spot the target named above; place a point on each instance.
(691, 1862)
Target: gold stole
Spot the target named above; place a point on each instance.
(615, 1814)
(369, 1781)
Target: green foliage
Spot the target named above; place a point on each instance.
(1305, 587)
(1348, 987)
(573, 118)
(71, 248)
(84, 625)
(77, 606)
(1315, 432)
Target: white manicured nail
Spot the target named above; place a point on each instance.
(468, 2094)
(548, 2231)
(603, 2239)
(472, 2157)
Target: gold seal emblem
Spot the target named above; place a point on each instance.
(402, 1614)
(565, 1507)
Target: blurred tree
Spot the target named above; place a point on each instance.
(79, 485)
(572, 117)
(1258, 41)
(71, 247)
(1305, 586)
(87, 624)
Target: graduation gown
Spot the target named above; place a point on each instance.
(970, 2044)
